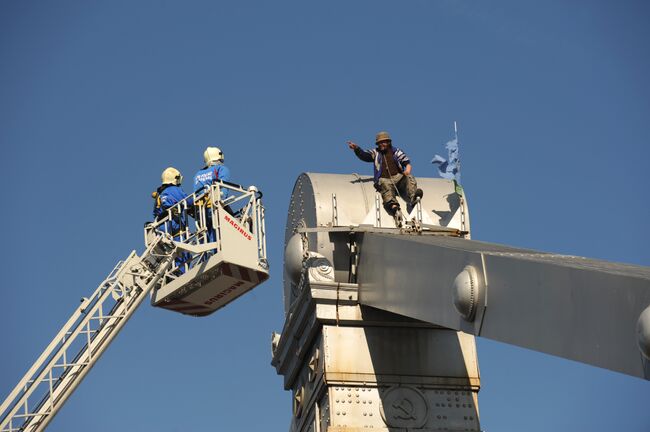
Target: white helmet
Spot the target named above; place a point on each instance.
(171, 176)
(212, 155)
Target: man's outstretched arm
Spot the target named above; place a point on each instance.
(364, 155)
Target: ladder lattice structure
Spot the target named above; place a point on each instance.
(84, 337)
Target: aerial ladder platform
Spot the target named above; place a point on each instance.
(381, 317)
(217, 255)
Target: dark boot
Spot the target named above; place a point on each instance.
(391, 207)
(399, 219)
(417, 196)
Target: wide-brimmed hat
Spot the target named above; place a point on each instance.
(382, 136)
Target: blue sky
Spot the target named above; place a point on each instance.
(96, 98)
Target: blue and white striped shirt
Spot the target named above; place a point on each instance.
(373, 155)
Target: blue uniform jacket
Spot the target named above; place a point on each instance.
(169, 195)
(208, 175)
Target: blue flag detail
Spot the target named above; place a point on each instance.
(449, 168)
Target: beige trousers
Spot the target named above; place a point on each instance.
(402, 184)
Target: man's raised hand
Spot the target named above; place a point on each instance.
(352, 145)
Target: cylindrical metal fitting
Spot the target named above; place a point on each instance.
(466, 291)
(643, 333)
(293, 256)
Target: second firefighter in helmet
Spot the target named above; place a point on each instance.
(214, 170)
(166, 196)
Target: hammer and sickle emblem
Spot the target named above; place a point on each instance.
(405, 408)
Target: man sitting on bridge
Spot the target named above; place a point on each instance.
(392, 172)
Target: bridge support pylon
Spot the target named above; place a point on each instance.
(352, 367)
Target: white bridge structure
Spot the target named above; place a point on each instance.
(380, 321)
(190, 272)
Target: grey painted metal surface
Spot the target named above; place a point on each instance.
(311, 206)
(413, 377)
(351, 367)
(573, 307)
(340, 357)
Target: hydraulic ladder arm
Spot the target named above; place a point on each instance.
(186, 273)
(84, 337)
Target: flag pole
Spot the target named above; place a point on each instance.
(458, 187)
(457, 147)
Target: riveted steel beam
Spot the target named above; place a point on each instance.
(581, 309)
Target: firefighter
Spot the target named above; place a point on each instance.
(213, 171)
(168, 194)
